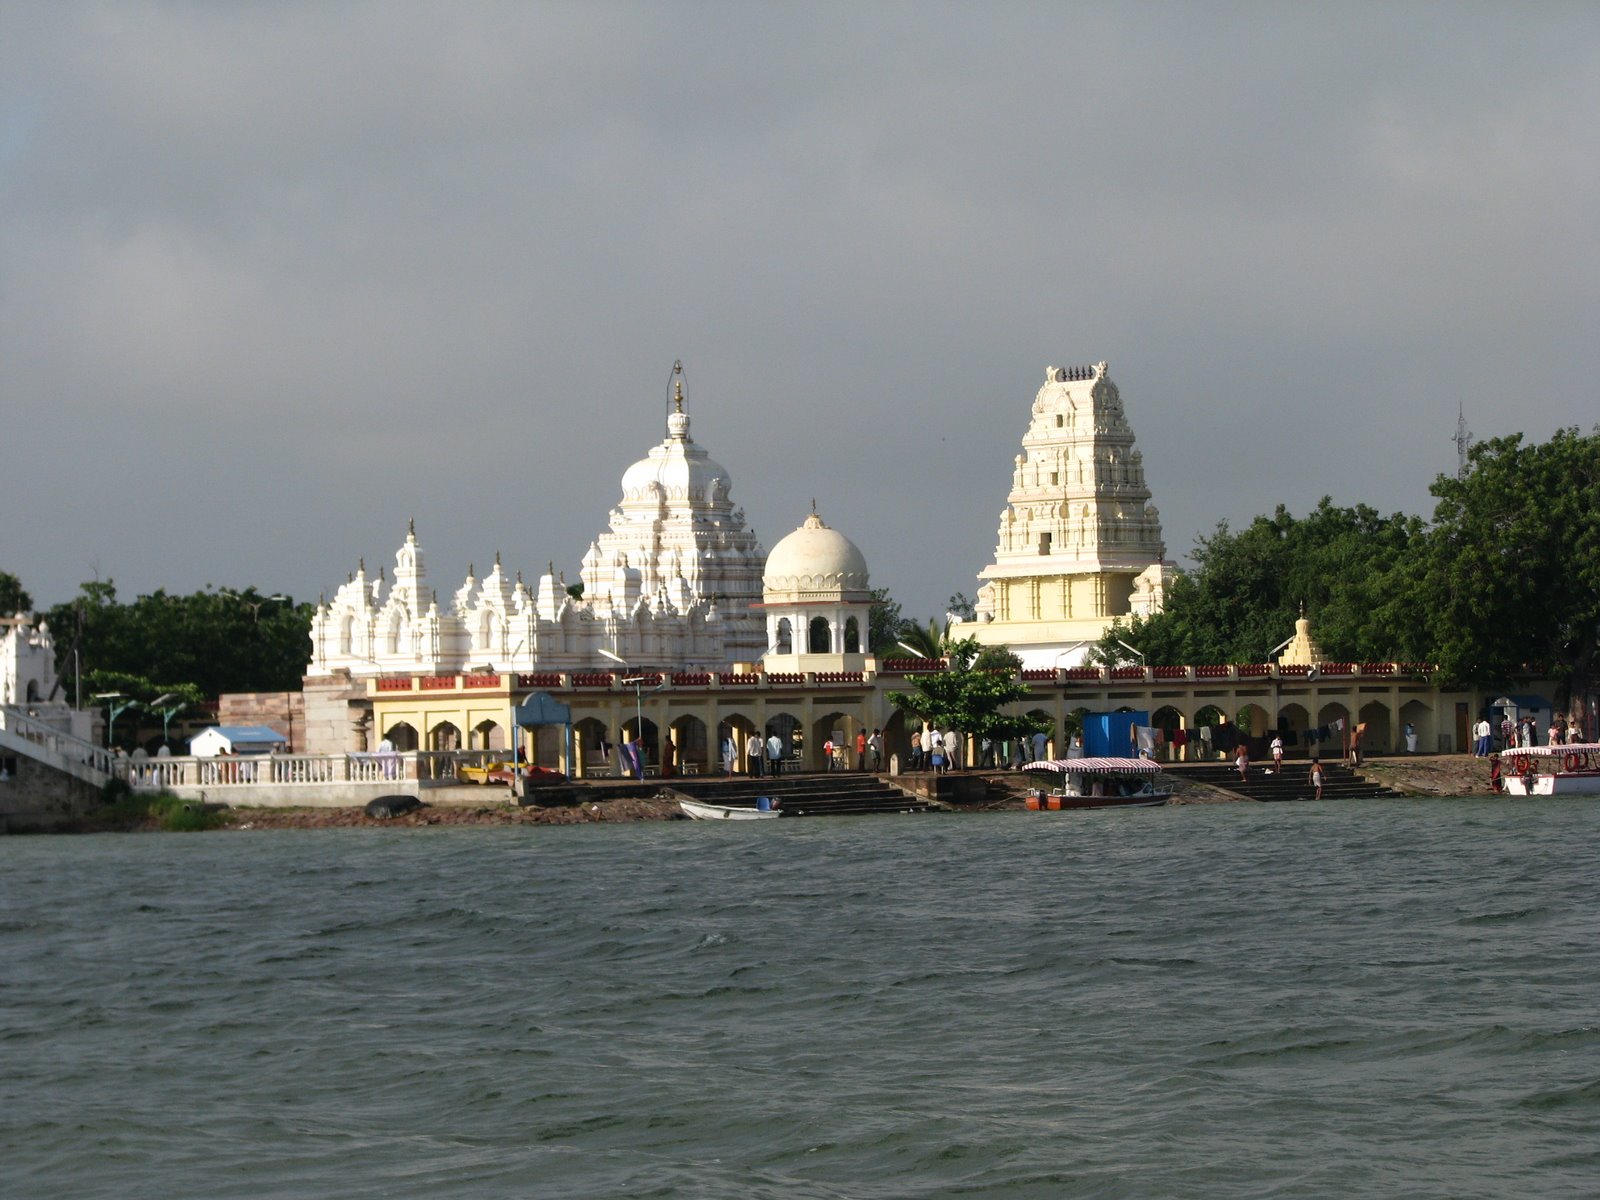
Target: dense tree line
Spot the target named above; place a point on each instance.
(1504, 582)
(199, 645)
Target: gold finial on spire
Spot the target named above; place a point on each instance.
(411, 527)
(677, 385)
(472, 571)
(550, 567)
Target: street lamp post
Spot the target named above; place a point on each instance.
(114, 710)
(162, 705)
(638, 707)
(254, 606)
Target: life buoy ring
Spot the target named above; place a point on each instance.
(1522, 764)
(1572, 762)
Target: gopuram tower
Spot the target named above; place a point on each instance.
(1079, 543)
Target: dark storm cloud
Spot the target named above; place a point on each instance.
(278, 277)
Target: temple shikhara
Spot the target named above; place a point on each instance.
(670, 583)
(1079, 542)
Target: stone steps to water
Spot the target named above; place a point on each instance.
(832, 794)
(1341, 783)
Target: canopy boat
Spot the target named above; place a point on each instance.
(1063, 783)
(723, 812)
(1551, 770)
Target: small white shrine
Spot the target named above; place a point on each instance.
(27, 661)
(670, 585)
(817, 600)
(1079, 542)
(28, 677)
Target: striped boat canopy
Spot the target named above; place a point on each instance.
(1546, 751)
(1096, 766)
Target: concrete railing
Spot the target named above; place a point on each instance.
(276, 770)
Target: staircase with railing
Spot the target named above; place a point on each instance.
(44, 743)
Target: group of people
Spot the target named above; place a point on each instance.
(1523, 733)
(763, 756)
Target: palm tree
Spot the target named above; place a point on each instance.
(928, 641)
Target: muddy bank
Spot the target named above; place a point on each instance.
(588, 813)
(1430, 775)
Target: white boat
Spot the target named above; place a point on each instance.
(1067, 783)
(1551, 770)
(723, 812)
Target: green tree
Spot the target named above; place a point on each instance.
(1354, 569)
(13, 599)
(883, 623)
(927, 641)
(961, 605)
(1512, 580)
(215, 641)
(969, 697)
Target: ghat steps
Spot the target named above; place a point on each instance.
(1341, 783)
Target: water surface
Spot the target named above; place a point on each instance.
(1396, 998)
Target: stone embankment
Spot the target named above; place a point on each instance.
(1442, 775)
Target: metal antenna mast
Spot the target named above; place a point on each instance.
(1463, 441)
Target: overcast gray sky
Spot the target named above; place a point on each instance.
(276, 277)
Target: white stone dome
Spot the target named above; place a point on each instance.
(816, 559)
(680, 468)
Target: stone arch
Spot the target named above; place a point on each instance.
(1293, 721)
(649, 740)
(791, 736)
(823, 728)
(741, 727)
(1253, 721)
(1334, 745)
(444, 737)
(394, 634)
(692, 740)
(896, 739)
(819, 637)
(785, 640)
(1379, 735)
(1415, 712)
(593, 747)
(402, 736)
(1207, 716)
(1169, 720)
(852, 636)
(487, 735)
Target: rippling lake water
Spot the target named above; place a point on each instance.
(1396, 998)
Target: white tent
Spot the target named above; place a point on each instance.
(236, 739)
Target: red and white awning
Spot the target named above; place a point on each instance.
(1096, 766)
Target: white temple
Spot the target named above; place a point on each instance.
(669, 585)
(1079, 542)
(27, 661)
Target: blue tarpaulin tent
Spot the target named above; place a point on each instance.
(1110, 735)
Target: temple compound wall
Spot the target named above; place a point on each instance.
(699, 709)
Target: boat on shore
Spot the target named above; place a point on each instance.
(698, 811)
(1551, 770)
(1057, 784)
